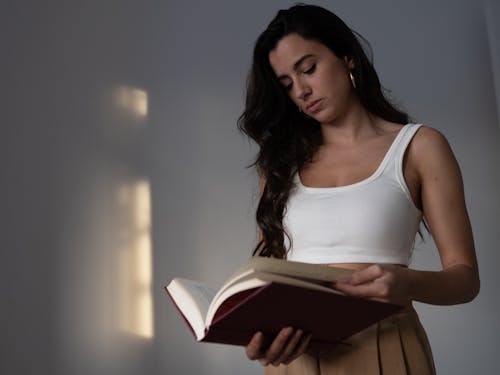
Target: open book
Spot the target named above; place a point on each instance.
(268, 294)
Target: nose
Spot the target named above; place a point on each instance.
(302, 90)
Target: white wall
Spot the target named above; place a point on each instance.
(492, 15)
(122, 168)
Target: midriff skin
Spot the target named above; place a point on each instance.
(354, 266)
(351, 266)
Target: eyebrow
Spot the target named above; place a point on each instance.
(296, 65)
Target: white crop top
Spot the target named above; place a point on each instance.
(370, 221)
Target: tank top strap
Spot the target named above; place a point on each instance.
(394, 163)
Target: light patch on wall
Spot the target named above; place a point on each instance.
(132, 100)
(134, 260)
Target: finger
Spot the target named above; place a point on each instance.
(301, 349)
(343, 280)
(276, 347)
(365, 275)
(289, 348)
(254, 346)
(370, 290)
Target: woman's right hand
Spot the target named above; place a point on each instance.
(288, 344)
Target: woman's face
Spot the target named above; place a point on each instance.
(315, 79)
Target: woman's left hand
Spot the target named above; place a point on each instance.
(382, 282)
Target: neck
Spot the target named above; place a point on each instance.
(355, 124)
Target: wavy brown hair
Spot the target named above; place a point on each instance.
(286, 138)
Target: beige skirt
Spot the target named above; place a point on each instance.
(397, 345)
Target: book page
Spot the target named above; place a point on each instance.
(314, 273)
(193, 299)
(299, 270)
(225, 293)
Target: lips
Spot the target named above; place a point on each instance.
(314, 105)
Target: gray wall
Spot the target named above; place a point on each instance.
(103, 201)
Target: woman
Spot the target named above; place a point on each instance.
(346, 180)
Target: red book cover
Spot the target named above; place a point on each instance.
(330, 317)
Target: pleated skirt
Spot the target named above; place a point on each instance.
(397, 345)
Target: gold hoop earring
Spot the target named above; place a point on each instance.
(352, 80)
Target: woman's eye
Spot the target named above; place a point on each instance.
(311, 69)
(288, 87)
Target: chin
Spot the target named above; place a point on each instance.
(324, 117)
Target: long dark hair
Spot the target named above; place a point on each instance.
(287, 139)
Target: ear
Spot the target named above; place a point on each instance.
(349, 62)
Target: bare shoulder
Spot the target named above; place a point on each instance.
(431, 152)
(427, 136)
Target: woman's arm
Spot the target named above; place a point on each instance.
(444, 209)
